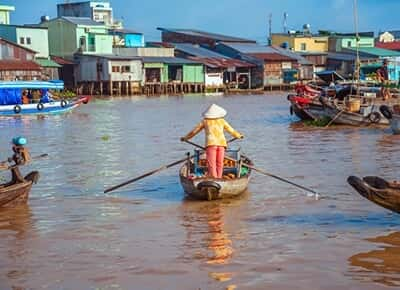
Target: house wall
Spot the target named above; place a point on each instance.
(102, 41)
(5, 13)
(63, 38)
(9, 33)
(337, 44)
(386, 37)
(134, 40)
(144, 51)
(9, 52)
(23, 75)
(74, 10)
(88, 70)
(312, 43)
(214, 78)
(39, 40)
(193, 73)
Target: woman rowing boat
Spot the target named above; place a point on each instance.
(214, 125)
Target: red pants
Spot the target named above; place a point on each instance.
(215, 161)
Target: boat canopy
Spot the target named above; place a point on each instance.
(52, 85)
(11, 92)
(329, 76)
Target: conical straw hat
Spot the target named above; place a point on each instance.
(214, 112)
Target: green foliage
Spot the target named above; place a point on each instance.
(105, 137)
(320, 122)
(66, 94)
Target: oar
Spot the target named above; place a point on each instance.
(262, 171)
(146, 174)
(33, 158)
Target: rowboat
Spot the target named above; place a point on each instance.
(378, 190)
(305, 108)
(197, 185)
(393, 116)
(12, 100)
(17, 192)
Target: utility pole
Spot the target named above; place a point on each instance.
(285, 16)
(270, 29)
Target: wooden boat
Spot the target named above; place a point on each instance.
(393, 116)
(378, 190)
(364, 117)
(305, 108)
(11, 103)
(17, 192)
(197, 185)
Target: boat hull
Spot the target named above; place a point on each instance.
(342, 117)
(46, 109)
(212, 188)
(18, 193)
(309, 110)
(378, 191)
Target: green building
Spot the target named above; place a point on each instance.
(5, 13)
(338, 42)
(70, 35)
(172, 69)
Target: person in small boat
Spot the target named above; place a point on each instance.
(214, 126)
(383, 77)
(21, 156)
(25, 98)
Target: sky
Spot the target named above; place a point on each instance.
(243, 18)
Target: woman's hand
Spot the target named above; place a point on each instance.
(183, 139)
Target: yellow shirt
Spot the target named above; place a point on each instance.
(214, 131)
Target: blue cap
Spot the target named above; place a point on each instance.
(19, 141)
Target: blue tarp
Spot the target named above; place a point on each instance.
(10, 96)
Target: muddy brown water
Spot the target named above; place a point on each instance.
(148, 236)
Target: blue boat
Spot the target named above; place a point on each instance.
(16, 98)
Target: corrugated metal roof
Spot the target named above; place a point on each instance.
(395, 45)
(44, 62)
(53, 84)
(19, 65)
(272, 56)
(344, 56)
(300, 59)
(60, 60)
(250, 48)
(222, 62)
(196, 50)
(169, 60)
(199, 33)
(84, 21)
(125, 31)
(375, 51)
(111, 56)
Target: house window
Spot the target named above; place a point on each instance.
(348, 43)
(28, 40)
(126, 68)
(303, 46)
(22, 40)
(82, 42)
(115, 69)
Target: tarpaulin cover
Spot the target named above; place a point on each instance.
(10, 96)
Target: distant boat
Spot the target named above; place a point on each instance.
(11, 100)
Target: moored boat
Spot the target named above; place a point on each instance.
(13, 104)
(378, 190)
(197, 185)
(353, 115)
(393, 116)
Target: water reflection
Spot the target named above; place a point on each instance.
(380, 265)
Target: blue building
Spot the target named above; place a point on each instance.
(127, 38)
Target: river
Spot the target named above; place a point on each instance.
(148, 236)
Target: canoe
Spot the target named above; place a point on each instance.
(342, 116)
(394, 118)
(198, 186)
(15, 193)
(379, 191)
